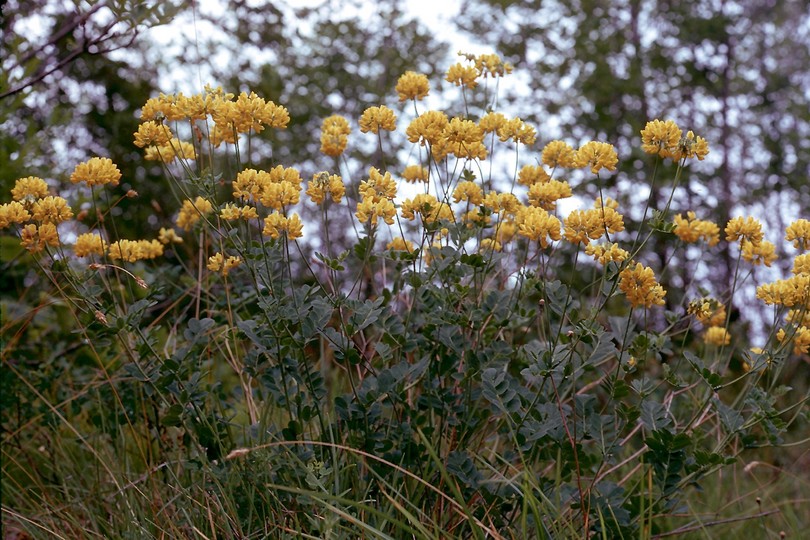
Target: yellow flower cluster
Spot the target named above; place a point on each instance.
(597, 156)
(691, 229)
(34, 238)
(374, 119)
(791, 292)
(89, 244)
(135, 250)
(665, 139)
(801, 338)
(334, 135)
(798, 232)
(545, 195)
(323, 183)
(278, 188)
(427, 206)
(716, 335)
(378, 187)
(461, 138)
(168, 236)
(30, 187)
(708, 311)
(538, 225)
(400, 244)
(518, 131)
(170, 151)
(559, 154)
(151, 133)
(753, 248)
(412, 85)
(639, 285)
(582, 226)
(51, 210)
(277, 223)
(416, 173)
(490, 65)
(468, 191)
(13, 212)
(232, 212)
(427, 128)
(462, 75)
(369, 211)
(218, 263)
(96, 172)
(530, 175)
(491, 122)
(191, 211)
(605, 253)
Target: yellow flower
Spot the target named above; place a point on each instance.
(400, 244)
(415, 173)
(428, 207)
(716, 335)
(517, 130)
(13, 212)
(559, 154)
(639, 285)
(89, 244)
(689, 147)
(230, 212)
(462, 138)
(378, 186)
(323, 183)
(801, 339)
(170, 151)
(150, 133)
(744, 229)
(801, 264)
(218, 263)
(52, 210)
(660, 138)
(597, 155)
(490, 65)
(708, 311)
(468, 191)
(34, 238)
(490, 244)
(790, 292)
(538, 226)
(427, 127)
(412, 85)
(757, 254)
(29, 187)
(462, 75)
(798, 232)
(96, 172)
(376, 118)
(369, 211)
(605, 253)
(278, 195)
(491, 122)
(159, 108)
(583, 226)
(475, 218)
(168, 236)
(530, 175)
(135, 250)
(547, 194)
(506, 231)
(691, 229)
(250, 184)
(190, 212)
(334, 135)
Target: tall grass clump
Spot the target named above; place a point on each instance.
(440, 349)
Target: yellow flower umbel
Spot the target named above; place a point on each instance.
(708, 311)
(378, 186)
(13, 212)
(538, 226)
(96, 172)
(801, 339)
(89, 244)
(168, 236)
(34, 238)
(415, 173)
(582, 226)
(639, 285)
(491, 122)
(798, 232)
(51, 210)
(660, 138)
(277, 223)
(716, 335)
(490, 65)
(323, 183)
(744, 229)
(282, 189)
(218, 263)
(691, 146)
(530, 175)
(376, 118)
(559, 154)
(400, 244)
(412, 85)
(152, 134)
(597, 155)
(191, 212)
(334, 135)
(518, 131)
(462, 138)
(761, 253)
(691, 229)
(170, 151)
(545, 195)
(428, 207)
(135, 250)
(462, 75)
(605, 253)
(427, 128)
(368, 211)
(468, 191)
(30, 187)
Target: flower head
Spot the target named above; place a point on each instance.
(660, 138)
(13, 212)
(798, 232)
(376, 118)
(334, 135)
(462, 75)
(639, 285)
(415, 173)
(691, 229)
(151, 133)
(412, 85)
(29, 187)
(744, 229)
(34, 238)
(559, 154)
(89, 244)
(597, 155)
(51, 210)
(96, 172)
(716, 335)
(518, 131)
(323, 183)
(191, 212)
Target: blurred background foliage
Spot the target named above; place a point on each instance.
(74, 75)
